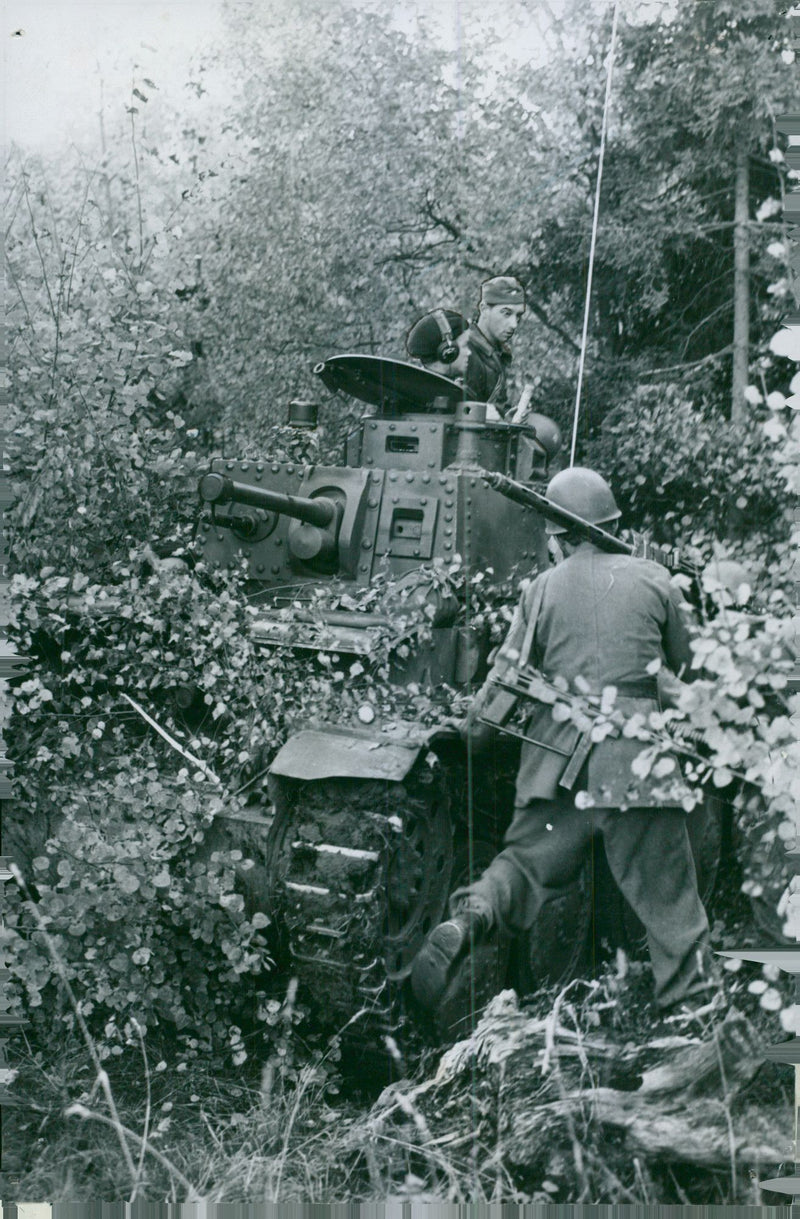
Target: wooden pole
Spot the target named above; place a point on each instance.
(741, 285)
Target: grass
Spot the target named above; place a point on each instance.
(162, 1122)
(291, 1130)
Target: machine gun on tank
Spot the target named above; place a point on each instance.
(640, 548)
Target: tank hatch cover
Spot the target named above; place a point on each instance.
(391, 384)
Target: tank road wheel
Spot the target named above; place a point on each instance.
(359, 871)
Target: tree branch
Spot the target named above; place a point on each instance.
(715, 355)
(545, 320)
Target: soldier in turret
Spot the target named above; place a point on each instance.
(609, 619)
(439, 340)
(500, 308)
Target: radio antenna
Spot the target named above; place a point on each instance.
(593, 245)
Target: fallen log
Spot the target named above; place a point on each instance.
(701, 1132)
(527, 1083)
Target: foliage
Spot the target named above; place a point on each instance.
(146, 922)
(678, 470)
(122, 828)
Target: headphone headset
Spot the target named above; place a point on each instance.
(447, 351)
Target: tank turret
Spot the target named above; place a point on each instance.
(408, 490)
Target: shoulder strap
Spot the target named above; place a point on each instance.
(536, 603)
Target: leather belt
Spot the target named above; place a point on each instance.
(646, 687)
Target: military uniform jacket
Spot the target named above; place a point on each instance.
(603, 617)
(485, 380)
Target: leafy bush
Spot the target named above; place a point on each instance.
(682, 470)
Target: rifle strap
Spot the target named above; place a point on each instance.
(536, 603)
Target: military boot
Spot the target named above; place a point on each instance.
(439, 957)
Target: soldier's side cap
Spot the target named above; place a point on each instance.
(502, 290)
(425, 336)
(787, 959)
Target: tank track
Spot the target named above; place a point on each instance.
(354, 916)
(359, 871)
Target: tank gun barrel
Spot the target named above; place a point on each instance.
(219, 489)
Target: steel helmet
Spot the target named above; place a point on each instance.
(548, 433)
(583, 492)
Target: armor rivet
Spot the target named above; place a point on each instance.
(416, 552)
(373, 503)
(364, 567)
(290, 470)
(231, 465)
(410, 476)
(423, 499)
(448, 533)
(276, 468)
(259, 566)
(244, 467)
(367, 544)
(392, 476)
(431, 464)
(206, 526)
(395, 499)
(413, 427)
(376, 478)
(448, 503)
(279, 541)
(259, 467)
(426, 478)
(374, 426)
(275, 569)
(369, 461)
(392, 427)
(434, 428)
(472, 482)
(448, 545)
(448, 516)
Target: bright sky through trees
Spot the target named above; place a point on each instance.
(60, 58)
(63, 58)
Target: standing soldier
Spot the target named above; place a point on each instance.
(501, 305)
(608, 619)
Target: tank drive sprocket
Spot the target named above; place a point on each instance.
(359, 871)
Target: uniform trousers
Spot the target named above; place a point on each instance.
(650, 859)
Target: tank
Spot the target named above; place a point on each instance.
(374, 824)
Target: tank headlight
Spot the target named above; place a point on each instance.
(366, 713)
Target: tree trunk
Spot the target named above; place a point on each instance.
(741, 286)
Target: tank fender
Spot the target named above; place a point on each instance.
(330, 753)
